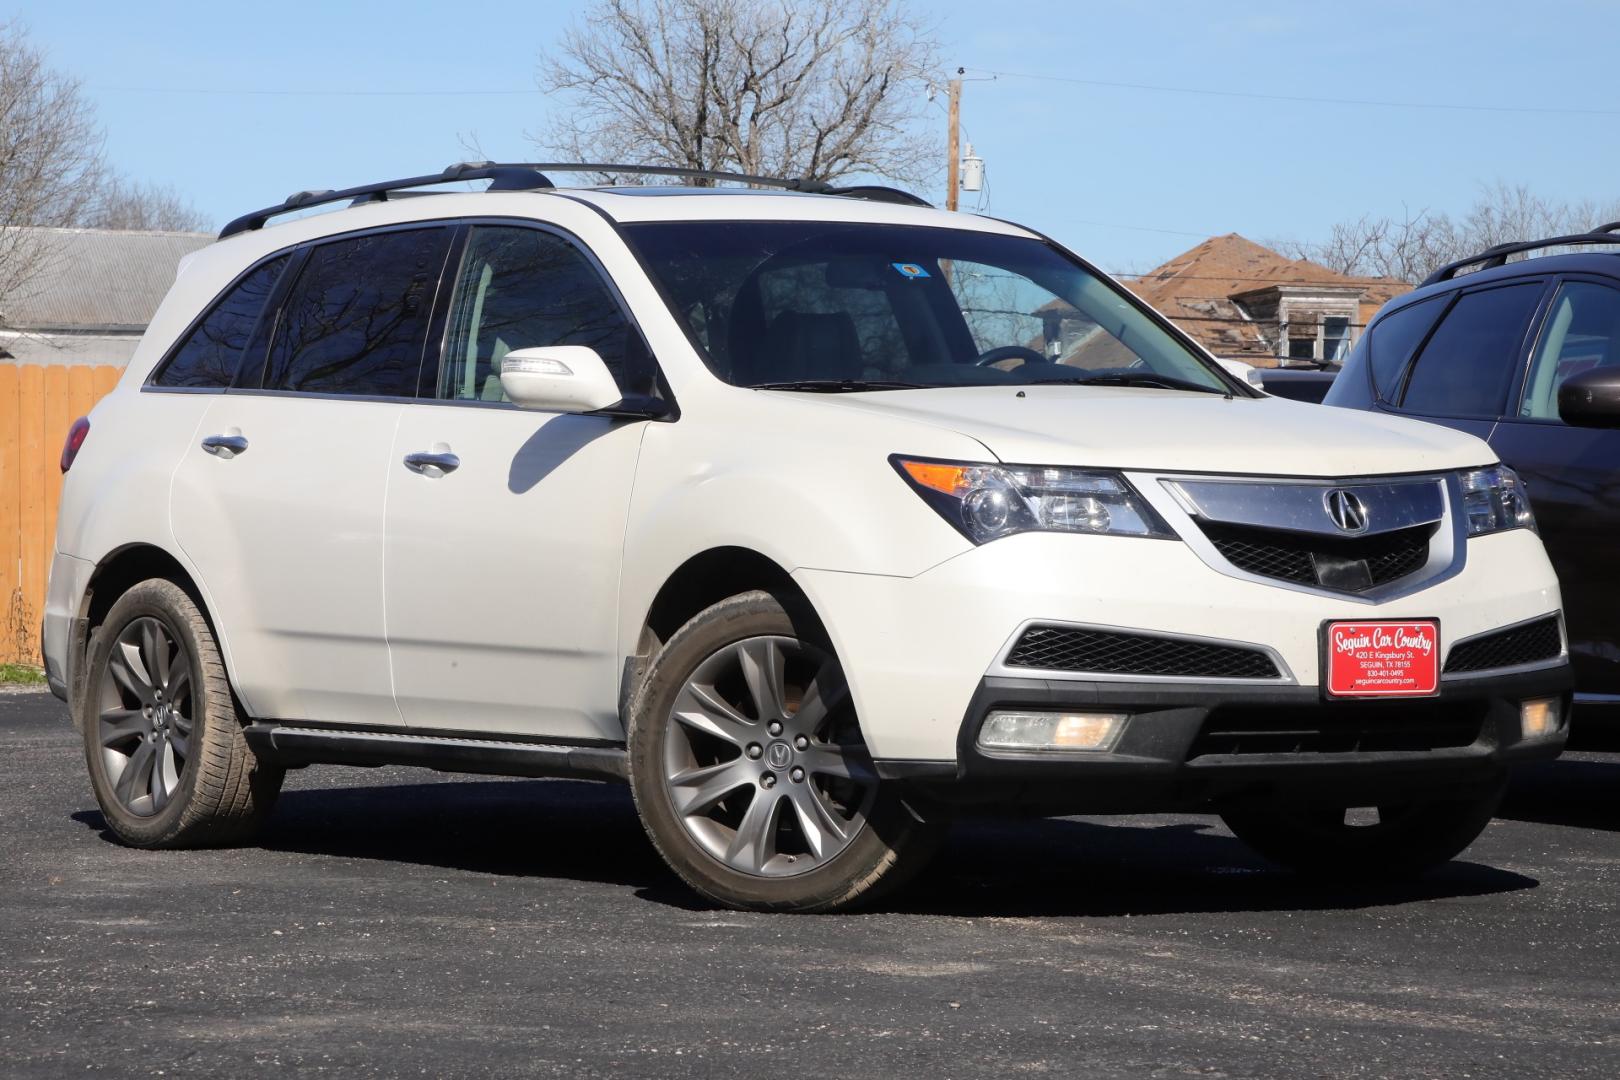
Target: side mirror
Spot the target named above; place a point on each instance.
(558, 378)
(1591, 398)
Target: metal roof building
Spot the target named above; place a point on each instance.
(94, 297)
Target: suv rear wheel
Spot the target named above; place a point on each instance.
(168, 761)
(1373, 844)
(750, 772)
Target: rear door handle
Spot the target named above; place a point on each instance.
(434, 464)
(225, 446)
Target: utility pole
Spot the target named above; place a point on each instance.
(953, 178)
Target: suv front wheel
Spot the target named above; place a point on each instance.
(750, 772)
(168, 761)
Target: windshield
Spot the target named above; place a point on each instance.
(844, 306)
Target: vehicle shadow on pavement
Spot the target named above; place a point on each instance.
(1103, 867)
(1574, 791)
(576, 830)
(989, 867)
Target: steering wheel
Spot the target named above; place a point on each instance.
(1008, 352)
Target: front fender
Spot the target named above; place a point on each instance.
(804, 499)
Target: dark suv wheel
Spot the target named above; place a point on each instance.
(750, 772)
(168, 762)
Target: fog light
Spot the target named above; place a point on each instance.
(1538, 718)
(1050, 731)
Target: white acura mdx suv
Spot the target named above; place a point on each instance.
(812, 513)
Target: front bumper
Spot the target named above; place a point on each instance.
(1186, 746)
(916, 649)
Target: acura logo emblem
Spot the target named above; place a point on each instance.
(1347, 510)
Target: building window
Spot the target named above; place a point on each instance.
(1335, 338)
(1301, 348)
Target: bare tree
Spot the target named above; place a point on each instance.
(50, 157)
(1413, 246)
(122, 205)
(770, 87)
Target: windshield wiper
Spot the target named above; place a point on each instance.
(836, 386)
(1144, 378)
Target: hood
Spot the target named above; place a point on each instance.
(1176, 431)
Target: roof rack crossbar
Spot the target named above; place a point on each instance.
(804, 184)
(1496, 256)
(501, 177)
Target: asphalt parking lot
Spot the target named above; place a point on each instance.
(400, 922)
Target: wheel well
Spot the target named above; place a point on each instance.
(701, 582)
(129, 566)
(705, 580)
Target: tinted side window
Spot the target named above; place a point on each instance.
(356, 320)
(209, 356)
(1582, 332)
(1466, 368)
(1394, 338)
(524, 288)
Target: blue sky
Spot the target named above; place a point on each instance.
(1127, 176)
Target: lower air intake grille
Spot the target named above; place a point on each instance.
(1371, 727)
(1110, 652)
(1348, 564)
(1527, 644)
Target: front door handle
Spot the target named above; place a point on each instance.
(432, 463)
(225, 446)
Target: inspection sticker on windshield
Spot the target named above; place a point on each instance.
(910, 270)
(1382, 659)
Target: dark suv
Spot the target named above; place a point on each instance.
(1526, 355)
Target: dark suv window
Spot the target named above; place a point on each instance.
(356, 320)
(1582, 332)
(1468, 365)
(210, 354)
(1394, 338)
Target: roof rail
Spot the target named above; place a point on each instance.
(1498, 255)
(501, 177)
(874, 192)
(530, 176)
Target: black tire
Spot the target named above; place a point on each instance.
(220, 793)
(1407, 839)
(891, 841)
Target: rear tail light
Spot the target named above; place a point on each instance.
(75, 439)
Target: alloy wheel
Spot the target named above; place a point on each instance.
(764, 763)
(145, 716)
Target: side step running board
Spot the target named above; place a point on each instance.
(292, 745)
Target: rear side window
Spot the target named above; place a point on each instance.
(356, 320)
(1394, 338)
(210, 354)
(1467, 366)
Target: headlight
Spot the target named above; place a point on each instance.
(1494, 500)
(990, 501)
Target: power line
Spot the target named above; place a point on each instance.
(1362, 102)
(300, 92)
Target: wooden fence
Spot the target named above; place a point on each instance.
(37, 405)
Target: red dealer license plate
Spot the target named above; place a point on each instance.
(1383, 659)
